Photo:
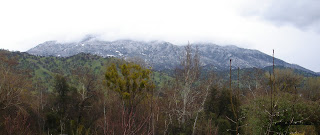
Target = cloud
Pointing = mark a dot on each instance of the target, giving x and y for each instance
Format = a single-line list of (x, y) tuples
[(303, 14), (32, 22)]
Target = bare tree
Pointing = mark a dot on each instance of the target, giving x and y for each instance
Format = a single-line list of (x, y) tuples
[(186, 76), (14, 88), (204, 93)]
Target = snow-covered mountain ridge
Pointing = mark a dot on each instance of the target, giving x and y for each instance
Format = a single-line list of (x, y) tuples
[(163, 55)]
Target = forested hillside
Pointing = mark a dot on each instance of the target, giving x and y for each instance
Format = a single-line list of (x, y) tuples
[(87, 94), (45, 68)]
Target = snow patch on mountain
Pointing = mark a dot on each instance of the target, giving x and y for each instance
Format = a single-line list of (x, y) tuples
[(163, 55)]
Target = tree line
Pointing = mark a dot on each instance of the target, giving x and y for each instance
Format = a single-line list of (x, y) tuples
[(124, 99)]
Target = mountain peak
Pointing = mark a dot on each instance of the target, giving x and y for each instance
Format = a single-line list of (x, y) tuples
[(161, 54), (88, 38)]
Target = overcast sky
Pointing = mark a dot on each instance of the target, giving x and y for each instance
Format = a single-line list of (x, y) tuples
[(291, 27)]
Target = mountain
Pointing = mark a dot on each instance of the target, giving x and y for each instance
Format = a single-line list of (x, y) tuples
[(45, 68), (163, 55)]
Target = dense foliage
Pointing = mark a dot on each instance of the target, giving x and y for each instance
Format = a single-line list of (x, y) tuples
[(87, 94)]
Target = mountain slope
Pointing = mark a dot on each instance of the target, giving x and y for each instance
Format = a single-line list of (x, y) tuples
[(163, 55), (45, 68)]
